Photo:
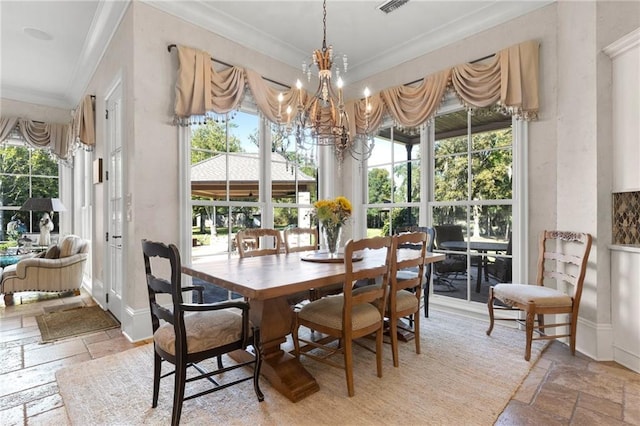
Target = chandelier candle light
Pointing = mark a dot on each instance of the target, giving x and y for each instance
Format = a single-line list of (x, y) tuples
[(322, 119), (332, 215)]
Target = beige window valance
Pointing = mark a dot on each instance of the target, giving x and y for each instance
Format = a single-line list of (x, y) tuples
[(509, 80), (60, 138)]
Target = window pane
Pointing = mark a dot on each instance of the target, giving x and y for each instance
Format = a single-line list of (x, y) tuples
[(379, 185), (42, 164), (14, 160), (451, 215), (44, 187), (407, 180), (403, 218), (491, 165), (376, 219), (14, 190), (451, 178)]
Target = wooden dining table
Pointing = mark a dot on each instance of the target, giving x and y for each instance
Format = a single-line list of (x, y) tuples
[(268, 283)]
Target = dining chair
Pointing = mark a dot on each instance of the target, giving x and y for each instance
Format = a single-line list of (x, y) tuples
[(300, 239), (254, 242), (407, 273), (562, 263), (349, 316), (306, 239), (194, 332), (501, 267), (453, 265)]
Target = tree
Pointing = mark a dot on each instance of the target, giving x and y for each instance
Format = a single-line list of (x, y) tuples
[(379, 186), (210, 138)]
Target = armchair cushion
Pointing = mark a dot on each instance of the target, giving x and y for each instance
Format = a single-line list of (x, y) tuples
[(71, 244)]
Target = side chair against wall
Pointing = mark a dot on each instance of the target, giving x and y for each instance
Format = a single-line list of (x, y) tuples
[(407, 273), (258, 242), (193, 333), (349, 316), (562, 260)]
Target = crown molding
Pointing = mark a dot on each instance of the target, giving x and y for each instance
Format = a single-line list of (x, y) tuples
[(623, 44)]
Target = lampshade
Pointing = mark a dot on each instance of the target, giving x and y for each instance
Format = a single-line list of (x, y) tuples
[(43, 205)]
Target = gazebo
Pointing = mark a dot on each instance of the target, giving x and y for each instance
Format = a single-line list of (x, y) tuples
[(209, 177)]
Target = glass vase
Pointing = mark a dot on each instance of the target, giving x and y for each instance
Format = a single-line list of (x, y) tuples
[(331, 235)]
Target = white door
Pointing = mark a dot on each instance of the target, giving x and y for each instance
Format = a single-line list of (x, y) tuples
[(114, 203)]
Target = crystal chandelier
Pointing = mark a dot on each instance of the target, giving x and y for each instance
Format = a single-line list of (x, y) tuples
[(322, 120)]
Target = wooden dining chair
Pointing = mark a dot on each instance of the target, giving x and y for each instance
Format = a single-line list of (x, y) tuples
[(562, 263), (406, 276), (194, 332), (258, 242), (306, 239), (349, 316), (300, 239)]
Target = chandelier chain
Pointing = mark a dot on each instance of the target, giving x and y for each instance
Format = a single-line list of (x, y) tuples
[(324, 25)]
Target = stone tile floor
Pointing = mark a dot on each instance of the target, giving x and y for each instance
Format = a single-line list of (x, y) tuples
[(560, 389)]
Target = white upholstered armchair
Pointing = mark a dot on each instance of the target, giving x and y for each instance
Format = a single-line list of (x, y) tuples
[(58, 269)]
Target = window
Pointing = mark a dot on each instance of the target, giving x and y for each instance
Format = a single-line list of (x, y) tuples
[(238, 181), (25, 172), (393, 195), (472, 194)]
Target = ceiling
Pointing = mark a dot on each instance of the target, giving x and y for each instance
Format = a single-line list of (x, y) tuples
[(56, 72)]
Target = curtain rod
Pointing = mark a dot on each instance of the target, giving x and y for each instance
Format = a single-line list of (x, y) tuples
[(171, 46), (472, 62)]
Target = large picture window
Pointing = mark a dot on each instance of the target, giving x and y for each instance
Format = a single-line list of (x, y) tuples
[(25, 172)]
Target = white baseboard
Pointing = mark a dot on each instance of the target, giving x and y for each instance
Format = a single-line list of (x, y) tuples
[(595, 340), (626, 358), (136, 324)]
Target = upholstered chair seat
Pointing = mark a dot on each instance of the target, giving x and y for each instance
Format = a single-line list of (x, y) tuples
[(205, 330), (328, 312), (511, 294)]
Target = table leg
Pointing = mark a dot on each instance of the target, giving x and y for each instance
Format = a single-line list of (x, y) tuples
[(283, 370)]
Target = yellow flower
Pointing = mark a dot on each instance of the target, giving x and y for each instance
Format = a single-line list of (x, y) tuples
[(333, 212)]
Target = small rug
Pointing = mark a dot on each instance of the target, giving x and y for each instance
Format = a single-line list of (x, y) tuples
[(462, 377), (74, 321)]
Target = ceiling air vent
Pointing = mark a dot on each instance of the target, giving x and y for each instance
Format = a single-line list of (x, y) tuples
[(391, 5)]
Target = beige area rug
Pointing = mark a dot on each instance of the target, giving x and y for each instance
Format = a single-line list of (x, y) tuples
[(462, 377), (73, 320)]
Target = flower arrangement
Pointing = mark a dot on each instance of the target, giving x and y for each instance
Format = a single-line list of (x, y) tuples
[(331, 215), (333, 212)]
